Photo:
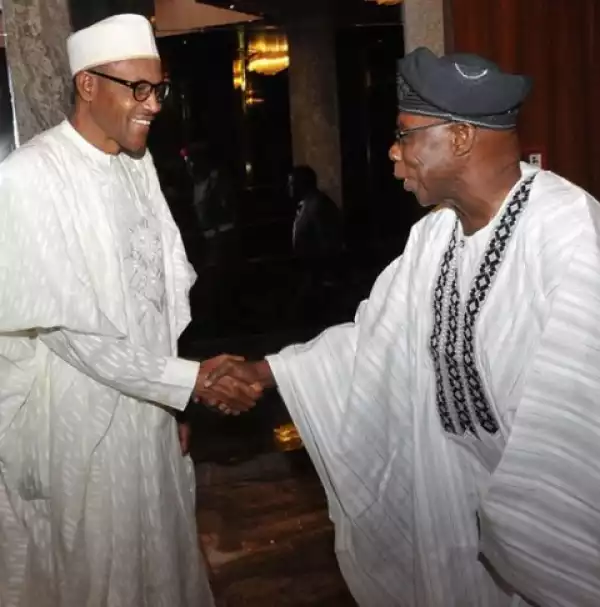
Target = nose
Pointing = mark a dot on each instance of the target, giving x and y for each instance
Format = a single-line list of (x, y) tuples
[(152, 105), (395, 153), (396, 156)]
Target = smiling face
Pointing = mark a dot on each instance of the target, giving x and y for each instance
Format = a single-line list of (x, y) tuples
[(120, 122), (425, 158)]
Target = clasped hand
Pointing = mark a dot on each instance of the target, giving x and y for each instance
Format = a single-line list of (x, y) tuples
[(230, 383)]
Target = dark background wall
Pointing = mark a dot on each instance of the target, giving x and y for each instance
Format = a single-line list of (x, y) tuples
[(252, 146)]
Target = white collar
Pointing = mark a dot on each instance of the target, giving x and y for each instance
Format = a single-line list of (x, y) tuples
[(84, 145)]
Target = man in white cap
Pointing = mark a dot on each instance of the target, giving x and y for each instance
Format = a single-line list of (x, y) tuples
[(96, 500)]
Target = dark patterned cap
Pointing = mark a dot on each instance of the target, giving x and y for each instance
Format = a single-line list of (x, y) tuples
[(460, 87)]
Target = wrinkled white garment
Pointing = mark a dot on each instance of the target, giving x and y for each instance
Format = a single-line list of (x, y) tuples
[(405, 494), (96, 501)]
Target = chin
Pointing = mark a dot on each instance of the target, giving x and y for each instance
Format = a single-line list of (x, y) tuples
[(423, 201), (420, 201), (135, 151), (426, 204)]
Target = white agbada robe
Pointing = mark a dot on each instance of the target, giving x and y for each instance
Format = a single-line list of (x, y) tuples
[(422, 474), (96, 501)]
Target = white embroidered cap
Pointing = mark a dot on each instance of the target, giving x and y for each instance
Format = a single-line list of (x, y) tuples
[(117, 38)]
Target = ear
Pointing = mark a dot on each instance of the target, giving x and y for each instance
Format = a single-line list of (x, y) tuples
[(86, 85), (463, 138)]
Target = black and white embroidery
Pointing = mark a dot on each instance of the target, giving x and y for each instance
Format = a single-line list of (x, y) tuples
[(436, 335), (461, 400)]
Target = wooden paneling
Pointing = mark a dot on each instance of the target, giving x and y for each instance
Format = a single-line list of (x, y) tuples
[(557, 43)]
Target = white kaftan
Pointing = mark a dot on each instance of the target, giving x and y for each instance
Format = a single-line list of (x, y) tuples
[(456, 422), (96, 501)]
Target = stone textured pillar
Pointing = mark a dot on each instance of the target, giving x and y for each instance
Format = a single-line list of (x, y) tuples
[(425, 25), (314, 102), (36, 33)]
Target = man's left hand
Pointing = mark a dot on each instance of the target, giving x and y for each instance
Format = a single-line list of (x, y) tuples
[(184, 430)]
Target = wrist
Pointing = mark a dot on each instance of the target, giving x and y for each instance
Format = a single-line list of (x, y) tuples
[(264, 374)]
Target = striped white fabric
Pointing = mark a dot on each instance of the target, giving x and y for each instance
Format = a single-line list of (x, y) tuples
[(428, 519), (96, 501)]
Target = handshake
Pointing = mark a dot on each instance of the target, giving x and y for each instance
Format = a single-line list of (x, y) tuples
[(231, 384)]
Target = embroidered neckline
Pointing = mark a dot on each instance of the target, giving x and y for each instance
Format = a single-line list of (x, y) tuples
[(462, 403)]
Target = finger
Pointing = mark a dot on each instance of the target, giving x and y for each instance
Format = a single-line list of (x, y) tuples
[(225, 410), (214, 396), (239, 392), (230, 392), (223, 393), (242, 371), (244, 390), (237, 402), (209, 365), (225, 358), (223, 370)]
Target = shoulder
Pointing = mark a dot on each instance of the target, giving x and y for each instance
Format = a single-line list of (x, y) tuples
[(36, 162), (560, 223), (431, 233), (554, 198), (559, 215), (325, 200), (427, 240)]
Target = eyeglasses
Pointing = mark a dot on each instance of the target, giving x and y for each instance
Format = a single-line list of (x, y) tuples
[(142, 89), (400, 135)]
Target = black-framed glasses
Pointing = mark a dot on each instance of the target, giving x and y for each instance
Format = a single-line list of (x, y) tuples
[(401, 134), (141, 89)]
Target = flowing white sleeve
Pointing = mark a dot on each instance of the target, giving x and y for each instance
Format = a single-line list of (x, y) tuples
[(44, 272), (314, 380), (48, 288), (133, 371), (540, 518)]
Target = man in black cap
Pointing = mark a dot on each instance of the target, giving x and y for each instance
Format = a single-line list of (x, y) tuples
[(455, 423)]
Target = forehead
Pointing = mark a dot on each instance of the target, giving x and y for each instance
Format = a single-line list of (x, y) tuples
[(409, 121), (136, 69)]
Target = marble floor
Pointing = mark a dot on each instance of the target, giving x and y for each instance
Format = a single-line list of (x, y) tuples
[(266, 535), (262, 514)]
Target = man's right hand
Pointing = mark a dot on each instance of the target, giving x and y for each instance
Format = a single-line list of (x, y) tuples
[(220, 384), (254, 376)]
